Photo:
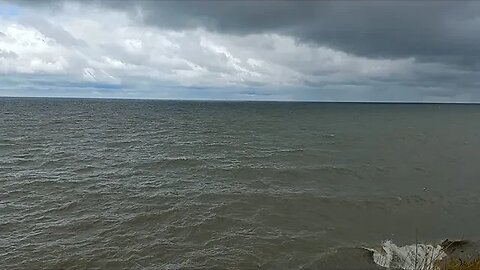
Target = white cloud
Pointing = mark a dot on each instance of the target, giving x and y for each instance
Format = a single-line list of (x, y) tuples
[(32, 51), (133, 45)]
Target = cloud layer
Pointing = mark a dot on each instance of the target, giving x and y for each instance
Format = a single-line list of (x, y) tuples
[(262, 50)]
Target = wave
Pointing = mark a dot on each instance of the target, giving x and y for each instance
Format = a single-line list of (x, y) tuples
[(164, 162), (409, 257)]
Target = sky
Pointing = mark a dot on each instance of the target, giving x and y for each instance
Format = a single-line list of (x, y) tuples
[(399, 51)]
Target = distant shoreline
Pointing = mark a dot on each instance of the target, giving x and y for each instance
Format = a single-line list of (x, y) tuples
[(247, 101)]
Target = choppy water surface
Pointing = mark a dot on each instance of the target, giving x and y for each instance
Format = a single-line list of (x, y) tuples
[(123, 184)]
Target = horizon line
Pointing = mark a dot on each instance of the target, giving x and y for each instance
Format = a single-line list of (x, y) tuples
[(249, 100)]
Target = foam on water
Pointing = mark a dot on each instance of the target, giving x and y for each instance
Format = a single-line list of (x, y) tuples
[(410, 257)]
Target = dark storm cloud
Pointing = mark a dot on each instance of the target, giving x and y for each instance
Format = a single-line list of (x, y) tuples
[(434, 31)]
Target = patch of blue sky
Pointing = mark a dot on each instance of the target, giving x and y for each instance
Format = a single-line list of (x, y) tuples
[(9, 10)]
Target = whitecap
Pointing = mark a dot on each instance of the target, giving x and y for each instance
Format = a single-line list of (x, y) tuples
[(409, 257)]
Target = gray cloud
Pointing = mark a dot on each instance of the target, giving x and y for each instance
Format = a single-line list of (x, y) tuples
[(433, 31), (440, 31), (7, 54), (53, 31)]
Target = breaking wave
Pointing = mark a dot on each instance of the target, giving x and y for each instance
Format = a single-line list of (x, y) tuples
[(409, 257)]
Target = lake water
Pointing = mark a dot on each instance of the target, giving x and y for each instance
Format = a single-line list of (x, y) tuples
[(132, 184)]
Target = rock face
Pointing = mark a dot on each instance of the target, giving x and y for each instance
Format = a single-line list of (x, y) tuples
[(460, 250), (458, 247)]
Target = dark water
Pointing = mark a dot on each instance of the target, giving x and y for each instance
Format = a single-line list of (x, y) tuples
[(112, 184)]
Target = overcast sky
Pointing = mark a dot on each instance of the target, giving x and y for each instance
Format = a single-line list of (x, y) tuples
[(242, 50)]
